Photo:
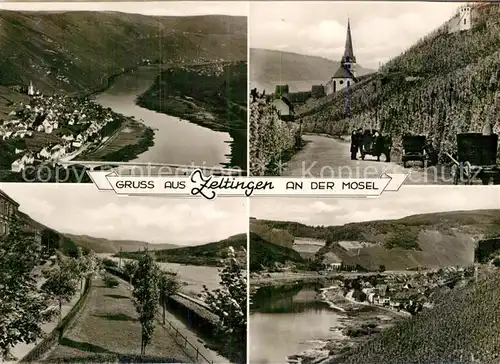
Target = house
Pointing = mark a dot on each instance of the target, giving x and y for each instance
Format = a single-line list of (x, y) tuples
[(17, 166), (8, 208), (345, 76), (332, 262), (31, 89), (284, 108)]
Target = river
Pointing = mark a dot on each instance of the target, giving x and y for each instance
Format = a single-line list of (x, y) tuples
[(288, 320), (176, 141), (193, 277)]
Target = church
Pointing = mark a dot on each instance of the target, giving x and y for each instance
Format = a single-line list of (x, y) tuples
[(345, 75)]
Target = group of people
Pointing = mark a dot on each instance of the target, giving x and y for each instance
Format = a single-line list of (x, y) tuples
[(358, 138)]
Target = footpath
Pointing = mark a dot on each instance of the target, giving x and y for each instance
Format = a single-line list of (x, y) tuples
[(22, 349)]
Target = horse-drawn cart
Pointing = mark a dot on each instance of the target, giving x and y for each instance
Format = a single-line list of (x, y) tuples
[(476, 158), (416, 148)]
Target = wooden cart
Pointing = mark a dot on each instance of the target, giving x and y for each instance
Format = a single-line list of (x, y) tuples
[(476, 159)]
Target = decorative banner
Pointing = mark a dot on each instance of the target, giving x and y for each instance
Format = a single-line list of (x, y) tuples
[(210, 187)]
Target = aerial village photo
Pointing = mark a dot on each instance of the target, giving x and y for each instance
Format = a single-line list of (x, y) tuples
[(89, 277), (139, 87), (356, 89), (411, 277)]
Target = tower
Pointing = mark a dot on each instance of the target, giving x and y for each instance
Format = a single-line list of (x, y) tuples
[(31, 89), (465, 21), (348, 59)]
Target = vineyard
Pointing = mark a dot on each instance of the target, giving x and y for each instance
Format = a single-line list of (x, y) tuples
[(462, 328), (443, 85), (272, 140)]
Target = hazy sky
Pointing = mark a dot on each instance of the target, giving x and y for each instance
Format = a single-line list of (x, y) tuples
[(380, 30), (409, 200), (80, 209), (158, 8)]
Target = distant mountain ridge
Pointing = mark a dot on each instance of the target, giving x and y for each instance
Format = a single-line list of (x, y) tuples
[(67, 52), (102, 245), (210, 254), (425, 240), (269, 68)]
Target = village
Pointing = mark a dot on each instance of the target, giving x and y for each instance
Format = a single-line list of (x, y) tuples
[(409, 293), (53, 128)]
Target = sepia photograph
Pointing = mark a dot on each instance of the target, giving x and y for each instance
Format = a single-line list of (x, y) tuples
[(357, 89), (410, 277), (110, 279), (140, 87)]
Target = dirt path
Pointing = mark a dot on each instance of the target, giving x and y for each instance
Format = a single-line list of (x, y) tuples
[(108, 325), (328, 157)]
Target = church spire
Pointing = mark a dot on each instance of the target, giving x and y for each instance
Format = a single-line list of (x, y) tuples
[(348, 56)]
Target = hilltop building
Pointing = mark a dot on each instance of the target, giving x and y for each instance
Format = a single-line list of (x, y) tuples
[(345, 75), (462, 20)]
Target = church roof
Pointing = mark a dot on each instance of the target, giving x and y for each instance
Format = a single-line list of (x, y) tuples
[(348, 51), (343, 72)]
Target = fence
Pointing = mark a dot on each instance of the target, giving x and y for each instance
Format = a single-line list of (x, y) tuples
[(185, 344)]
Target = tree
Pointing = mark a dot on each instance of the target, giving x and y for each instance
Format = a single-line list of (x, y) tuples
[(168, 286), (229, 303), (146, 296), (50, 241), (381, 268), (62, 281), (23, 306), (129, 268)]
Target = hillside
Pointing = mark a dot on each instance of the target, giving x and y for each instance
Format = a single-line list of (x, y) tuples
[(264, 254), (272, 235), (269, 68), (77, 51), (442, 85), (427, 240), (209, 254), (463, 328), (101, 245)]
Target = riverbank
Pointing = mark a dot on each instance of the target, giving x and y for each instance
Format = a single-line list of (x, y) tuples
[(203, 95), (357, 323)]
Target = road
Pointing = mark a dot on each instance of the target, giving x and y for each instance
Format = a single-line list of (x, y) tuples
[(326, 157)]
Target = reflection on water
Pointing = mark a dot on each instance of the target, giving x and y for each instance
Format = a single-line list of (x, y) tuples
[(288, 320), (176, 141)]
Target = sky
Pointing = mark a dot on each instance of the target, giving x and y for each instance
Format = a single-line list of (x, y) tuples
[(409, 200), (157, 8), (82, 209), (380, 30)]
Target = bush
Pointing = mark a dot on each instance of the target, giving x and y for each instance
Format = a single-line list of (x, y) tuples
[(110, 281), (109, 263)]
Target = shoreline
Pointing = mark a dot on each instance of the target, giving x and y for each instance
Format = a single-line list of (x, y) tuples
[(356, 326)]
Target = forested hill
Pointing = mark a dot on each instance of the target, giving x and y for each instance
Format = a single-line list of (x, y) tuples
[(426, 240), (77, 51), (443, 85)]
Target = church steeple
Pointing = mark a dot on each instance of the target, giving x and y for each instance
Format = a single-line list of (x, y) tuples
[(348, 59)]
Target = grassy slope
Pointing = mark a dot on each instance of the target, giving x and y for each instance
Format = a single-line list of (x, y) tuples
[(265, 254), (456, 91), (207, 254), (298, 70), (430, 240), (101, 245), (462, 329), (87, 47)]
